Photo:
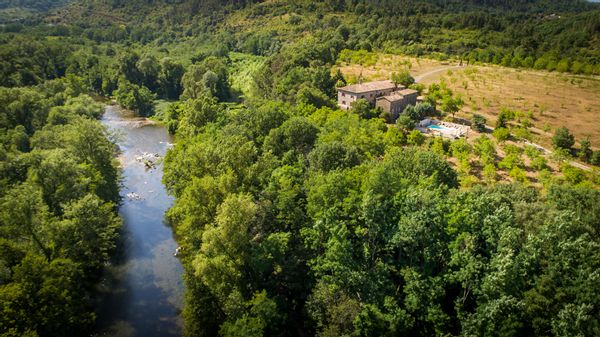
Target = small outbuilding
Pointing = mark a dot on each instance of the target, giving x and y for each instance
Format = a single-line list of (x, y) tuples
[(397, 101)]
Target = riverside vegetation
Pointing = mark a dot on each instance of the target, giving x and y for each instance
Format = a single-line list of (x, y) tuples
[(296, 218)]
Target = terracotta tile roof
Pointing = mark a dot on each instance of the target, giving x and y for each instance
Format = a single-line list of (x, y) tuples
[(393, 97), (398, 95), (369, 86)]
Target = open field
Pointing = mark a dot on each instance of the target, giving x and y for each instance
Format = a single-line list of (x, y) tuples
[(382, 65), (554, 99)]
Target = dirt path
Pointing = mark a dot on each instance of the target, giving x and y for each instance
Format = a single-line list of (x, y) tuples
[(419, 78), (580, 166), (571, 162)]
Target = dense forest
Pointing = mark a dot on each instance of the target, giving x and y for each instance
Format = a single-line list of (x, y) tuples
[(58, 221), (553, 35), (303, 222), (296, 218)]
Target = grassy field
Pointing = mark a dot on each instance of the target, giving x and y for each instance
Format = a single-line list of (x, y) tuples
[(379, 66), (551, 99)]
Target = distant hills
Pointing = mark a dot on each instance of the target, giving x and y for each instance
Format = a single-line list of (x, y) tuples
[(183, 11), (17, 10), (508, 32), (33, 5)]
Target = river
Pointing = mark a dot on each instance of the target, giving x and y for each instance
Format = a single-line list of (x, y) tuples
[(141, 293)]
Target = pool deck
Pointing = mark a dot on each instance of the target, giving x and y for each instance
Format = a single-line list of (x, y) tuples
[(443, 129)]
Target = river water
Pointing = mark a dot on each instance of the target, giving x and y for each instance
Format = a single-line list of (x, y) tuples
[(141, 294)]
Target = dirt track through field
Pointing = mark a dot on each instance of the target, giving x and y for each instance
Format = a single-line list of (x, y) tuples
[(419, 78)]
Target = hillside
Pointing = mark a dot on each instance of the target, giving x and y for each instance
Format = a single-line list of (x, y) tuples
[(18, 10), (512, 33)]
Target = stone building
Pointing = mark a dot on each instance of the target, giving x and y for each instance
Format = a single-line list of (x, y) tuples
[(369, 91), (395, 102), (391, 98)]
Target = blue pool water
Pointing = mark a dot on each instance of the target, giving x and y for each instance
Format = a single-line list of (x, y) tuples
[(437, 127)]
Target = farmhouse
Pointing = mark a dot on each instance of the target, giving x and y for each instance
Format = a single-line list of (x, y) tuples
[(395, 103), (368, 91), (391, 98)]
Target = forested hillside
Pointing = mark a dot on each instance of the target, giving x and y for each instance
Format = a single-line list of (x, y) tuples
[(58, 221), (296, 218), (42, 5), (19, 10), (551, 35)]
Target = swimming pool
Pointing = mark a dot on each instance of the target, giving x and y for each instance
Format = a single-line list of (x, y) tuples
[(437, 127)]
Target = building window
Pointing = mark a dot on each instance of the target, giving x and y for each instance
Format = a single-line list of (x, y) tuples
[(362, 96), (343, 94), (343, 102)]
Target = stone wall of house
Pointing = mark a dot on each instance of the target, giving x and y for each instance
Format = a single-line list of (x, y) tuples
[(346, 98), (384, 104), (396, 107)]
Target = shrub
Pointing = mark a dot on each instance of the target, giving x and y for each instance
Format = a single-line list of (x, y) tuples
[(294, 20), (563, 66), (572, 174), (532, 152), (522, 133), (489, 173), (460, 148), (418, 87), (539, 163), (394, 137), (485, 148), (363, 109), (512, 158), (402, 78), (518, 174), (478, 123), (468, 180), (561, 155), (585, 151), (501, 134), (540, 63), (405, 123), (415, 137), (504, 116), (526, 122), (547, 127), (563, 139), (596, 158), (439, 146), (512, 149)]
